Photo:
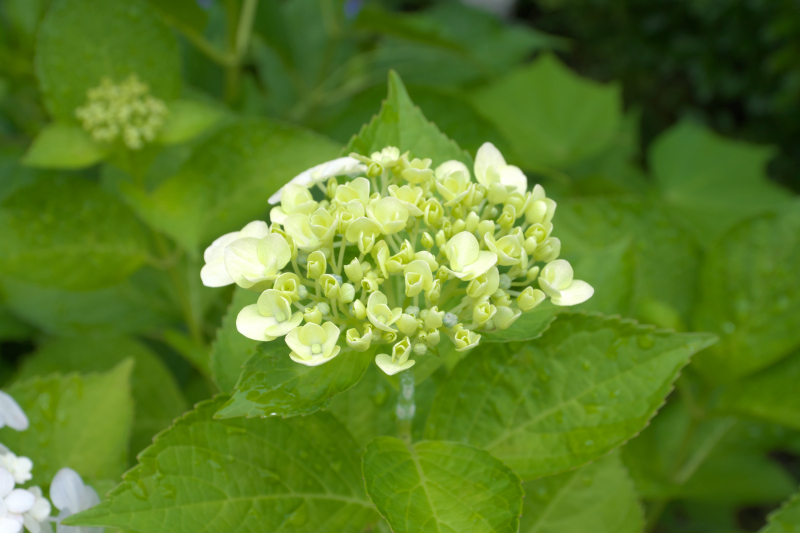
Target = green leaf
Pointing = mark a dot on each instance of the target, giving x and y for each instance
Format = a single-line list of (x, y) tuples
[(82, 422), (750, 296), (228, 179), (158, 400), (82, 41), (182, 13), (231, 349), (713, 181), (273, 384), (400, 123), (186, 120), (564, 118), (764, 395), (66, 232), (528, 326), (298, 475), (586, 387), (711, 460), (134, 305), (63, 146), (12, 328), (636, 255), (786, 519), (598, 497), (441, 486)]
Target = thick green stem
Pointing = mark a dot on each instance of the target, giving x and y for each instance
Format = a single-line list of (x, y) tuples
[(405, 406)]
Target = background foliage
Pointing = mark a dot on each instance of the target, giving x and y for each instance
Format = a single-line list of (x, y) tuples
[(108, 335)]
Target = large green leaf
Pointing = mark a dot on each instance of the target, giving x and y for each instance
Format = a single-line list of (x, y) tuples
[(228, 179), (786, 519), (750, 296), (641, 261), (400, 123), (598, 497), (587, 386), (157, 398), (765, 395), (82, 41), (551, 116), (273, 384), (66, 232), (81, 422), (134, 305), (441, 486), (713, 181), (63, 146), (231, 349), (715, 459), (256, 476)]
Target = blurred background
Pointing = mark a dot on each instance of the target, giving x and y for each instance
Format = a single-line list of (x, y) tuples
[(668, 131)]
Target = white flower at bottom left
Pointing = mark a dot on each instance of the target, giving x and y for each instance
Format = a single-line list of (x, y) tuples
[(14, 503)]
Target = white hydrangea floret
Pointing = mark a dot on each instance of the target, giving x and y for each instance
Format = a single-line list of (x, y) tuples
[(557, 283), (70, 495), (14, 503), (337, 167), (11, 414), (213, 273)]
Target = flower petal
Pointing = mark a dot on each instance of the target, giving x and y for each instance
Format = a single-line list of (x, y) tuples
[(514, 177), (253, 325), (488, 156), (558, 273), (321, 172), (6, 482), (19, 501), (577, 293), (215, 275), (483, 263), (11, 414), (385, 363), (66, 490)]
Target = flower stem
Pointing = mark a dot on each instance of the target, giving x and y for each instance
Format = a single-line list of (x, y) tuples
[(405, 406)]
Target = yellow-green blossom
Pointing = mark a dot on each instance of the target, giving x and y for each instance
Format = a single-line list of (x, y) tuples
[(125, 111), (398, 256)]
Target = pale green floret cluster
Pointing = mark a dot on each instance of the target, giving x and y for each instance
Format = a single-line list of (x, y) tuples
[(125, 111), (399, 254)]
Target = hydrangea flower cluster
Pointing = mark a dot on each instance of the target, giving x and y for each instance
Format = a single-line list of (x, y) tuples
[(27, 507), (126, 110), (398, 254)]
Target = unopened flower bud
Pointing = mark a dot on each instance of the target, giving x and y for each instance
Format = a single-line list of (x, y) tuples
[(359, 310), (427, 240), (316, 265), (449, 320), (432, 338), (529, 298), (434, 292), (329, 285), (472, 222), (312, 315), (484, 227), (504, 282), (407, 324), (465, 339), (420, 348), (532, 274), (347, 293), (441, 239), (483, 312), (359, 343), (549, 250)]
